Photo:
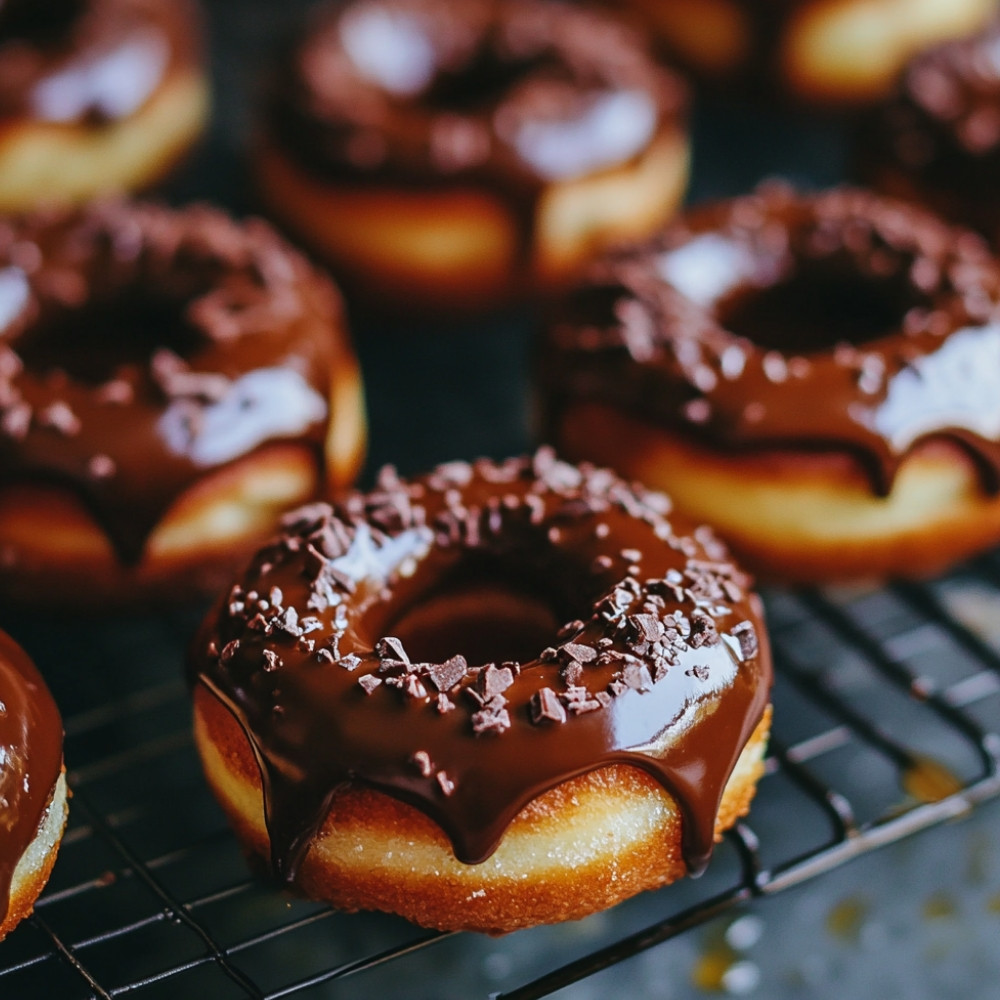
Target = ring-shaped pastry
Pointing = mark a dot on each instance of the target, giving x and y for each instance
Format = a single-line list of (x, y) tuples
[(32, 784), (95, 96), (494, 696), (813, 375), (935, 140), (819, 52), (453, 155), (170, 382)]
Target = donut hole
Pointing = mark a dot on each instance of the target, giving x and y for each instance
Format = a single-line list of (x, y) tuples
[(95, 343), (481, 83), (816, 308), (486, 621)]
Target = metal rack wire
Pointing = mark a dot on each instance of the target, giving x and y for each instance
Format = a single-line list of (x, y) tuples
[(887, 721)]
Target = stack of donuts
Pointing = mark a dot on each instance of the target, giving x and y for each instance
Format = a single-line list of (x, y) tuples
[(503, 691)]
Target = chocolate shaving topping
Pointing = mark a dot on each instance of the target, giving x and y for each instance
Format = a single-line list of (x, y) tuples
[(493, 681), (636, 676), (578, 700), (447, 675), (577, 651), (703, 631), (16, 421), (746, 636), (546, 707), (59, 417), (423, 762), (571, 673), (369, 682), (492, 718), (389, 647)]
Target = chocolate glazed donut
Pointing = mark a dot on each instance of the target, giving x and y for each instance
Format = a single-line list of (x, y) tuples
[(457, 153), (95, 95), (815, 375), (170, 381), (484, 674), (32, 786), (826, 52), (936, 139)]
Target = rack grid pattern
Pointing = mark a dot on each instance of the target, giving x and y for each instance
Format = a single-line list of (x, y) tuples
[(887, 722)]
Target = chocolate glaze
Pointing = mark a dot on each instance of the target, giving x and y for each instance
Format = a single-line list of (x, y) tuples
[(87, 61), (937, 138), (31, 739), (835, 322), (143, 347), (503, 95), (662, 662)]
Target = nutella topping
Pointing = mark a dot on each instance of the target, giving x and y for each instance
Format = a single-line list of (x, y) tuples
[(142, 346), (837, 322), (86, 61), (413, 599), (509, 95), (30, 758)]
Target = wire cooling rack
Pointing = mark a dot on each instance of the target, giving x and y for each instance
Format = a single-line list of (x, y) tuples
[(887, 713)]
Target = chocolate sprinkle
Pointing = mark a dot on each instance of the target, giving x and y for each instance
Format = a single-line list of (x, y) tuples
[(746, 636), (546, 707)]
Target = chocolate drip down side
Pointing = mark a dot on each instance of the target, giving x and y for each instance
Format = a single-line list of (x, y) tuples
[(837, 323), (660, 663), (31, 754)]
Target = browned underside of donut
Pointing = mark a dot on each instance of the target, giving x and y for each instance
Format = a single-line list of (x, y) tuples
[(587, 844)]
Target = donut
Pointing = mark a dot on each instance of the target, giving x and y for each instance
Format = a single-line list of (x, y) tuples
[(497, 695), (813, 375), (32, 784), (453, 156), (95, 96), (812, 52), (936, 139), (170, 382)]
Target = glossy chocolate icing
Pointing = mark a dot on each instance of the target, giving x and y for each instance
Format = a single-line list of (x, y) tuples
[(144, 347), (31, 738), (503, 95), (835, 322), (937, 137), (662, 662), (87, 61)]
